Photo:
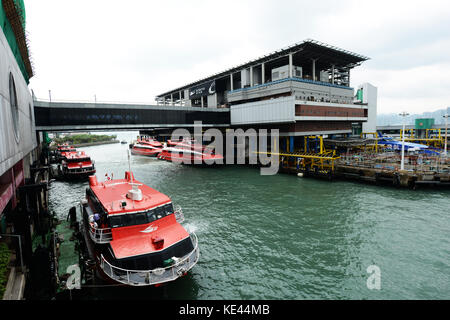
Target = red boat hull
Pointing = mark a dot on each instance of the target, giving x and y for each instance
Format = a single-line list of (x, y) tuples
[(189, 158), (146, 152)]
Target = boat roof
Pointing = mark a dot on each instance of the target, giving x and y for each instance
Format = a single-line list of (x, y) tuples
[(76, 155), (112, 193), (136, 240)]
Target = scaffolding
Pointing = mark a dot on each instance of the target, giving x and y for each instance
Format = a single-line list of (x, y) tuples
[(433, 137), (313, 157)]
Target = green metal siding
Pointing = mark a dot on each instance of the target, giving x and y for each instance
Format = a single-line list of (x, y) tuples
[(10, 37), (424, 123)]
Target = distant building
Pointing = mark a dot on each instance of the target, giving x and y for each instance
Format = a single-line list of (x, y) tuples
[(302, 90), (18, 140)]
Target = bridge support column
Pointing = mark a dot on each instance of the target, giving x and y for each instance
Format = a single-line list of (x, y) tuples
[(263, 73)]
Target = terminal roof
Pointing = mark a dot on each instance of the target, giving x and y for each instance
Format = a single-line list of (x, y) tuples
[(325, 54)]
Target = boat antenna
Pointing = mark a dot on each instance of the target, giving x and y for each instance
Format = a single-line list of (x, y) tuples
[(129, 165)]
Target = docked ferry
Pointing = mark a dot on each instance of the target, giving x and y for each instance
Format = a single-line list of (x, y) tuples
[(135, 234), (62, 150), (76, 165), (147, 147), (189, 152)]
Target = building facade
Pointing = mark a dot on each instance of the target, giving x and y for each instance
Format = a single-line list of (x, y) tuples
[(18, 140), (301, 90)]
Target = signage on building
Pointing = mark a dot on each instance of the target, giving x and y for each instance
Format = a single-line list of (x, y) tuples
[(202, 90)]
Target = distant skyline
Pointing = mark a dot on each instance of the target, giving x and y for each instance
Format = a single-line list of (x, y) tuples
[(386, 119), (130, 52)]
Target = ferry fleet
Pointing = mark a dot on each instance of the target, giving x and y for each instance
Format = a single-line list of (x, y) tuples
[(132, 232)]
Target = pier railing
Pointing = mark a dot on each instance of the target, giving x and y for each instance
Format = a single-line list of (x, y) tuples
[(100, 235), (151, 277)]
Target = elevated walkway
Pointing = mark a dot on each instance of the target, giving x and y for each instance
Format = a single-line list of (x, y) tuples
[(70, 116)]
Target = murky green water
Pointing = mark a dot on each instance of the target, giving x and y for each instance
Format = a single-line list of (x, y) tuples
[(284, 237)]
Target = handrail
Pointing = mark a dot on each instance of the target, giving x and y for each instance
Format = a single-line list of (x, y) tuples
[(100, 235), (154, 276)]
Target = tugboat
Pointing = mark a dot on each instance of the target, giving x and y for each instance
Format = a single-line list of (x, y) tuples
[(76, 165), (189, 152), (134, 233), (147, 147)]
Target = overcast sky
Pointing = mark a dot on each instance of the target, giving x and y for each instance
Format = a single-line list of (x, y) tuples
[(130, 51)]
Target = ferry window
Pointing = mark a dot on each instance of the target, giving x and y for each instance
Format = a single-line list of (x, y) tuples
[(128, 219), (115, 221), (159, 212), (168, 208), (140, 218), (151, 215)]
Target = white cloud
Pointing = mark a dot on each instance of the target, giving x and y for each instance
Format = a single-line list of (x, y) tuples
[(132, 51)]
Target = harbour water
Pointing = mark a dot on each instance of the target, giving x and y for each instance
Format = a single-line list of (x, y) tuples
[(284, 237)]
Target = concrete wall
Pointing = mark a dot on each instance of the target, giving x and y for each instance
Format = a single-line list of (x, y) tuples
[(12, 148), (302, 91), (212, 101), (370, 96), (281, 110)]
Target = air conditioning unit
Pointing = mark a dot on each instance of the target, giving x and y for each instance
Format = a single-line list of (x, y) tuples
[(283, 72), (324, 76), (297, 72)]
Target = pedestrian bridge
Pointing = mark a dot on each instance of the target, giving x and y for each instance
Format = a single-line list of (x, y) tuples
[(70, 116)]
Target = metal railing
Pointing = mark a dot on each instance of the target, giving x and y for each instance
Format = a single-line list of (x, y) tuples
[(151, 277), (100, 235)]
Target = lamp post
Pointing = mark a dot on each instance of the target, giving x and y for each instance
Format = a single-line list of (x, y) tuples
[(404, 115), (446, 126)]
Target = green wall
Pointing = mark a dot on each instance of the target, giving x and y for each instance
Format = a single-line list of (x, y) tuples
[(10, 37)]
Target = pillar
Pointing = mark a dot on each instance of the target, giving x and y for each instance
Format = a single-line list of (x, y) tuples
[(332, 74), (290, 65), (314, 69), (251, 76), (263, 73), (231, 82)]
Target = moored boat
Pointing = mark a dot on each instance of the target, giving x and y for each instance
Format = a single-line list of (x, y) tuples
[(76, 165), (62, 150), (189, 152), (147, 147), (135, 234)]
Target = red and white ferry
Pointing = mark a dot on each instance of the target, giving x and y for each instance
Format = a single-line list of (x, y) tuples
[(147, 147), (76, 165), (135, 234), (62, 150), (189, 152)]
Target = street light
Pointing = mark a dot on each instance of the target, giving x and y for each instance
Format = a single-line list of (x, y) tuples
[(404, 115), (446, 125)]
